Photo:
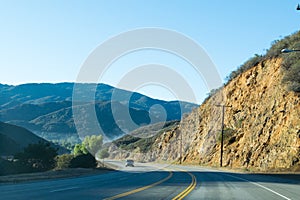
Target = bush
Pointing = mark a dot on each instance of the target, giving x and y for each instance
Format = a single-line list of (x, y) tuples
[(227, 134), (63, 161), (291, 69), (36, 157), (252, 62), (290, 64), (289, 42), (83, 161), (291, 77), (79, 149), (126, 140), (6, 167), (80, 161)]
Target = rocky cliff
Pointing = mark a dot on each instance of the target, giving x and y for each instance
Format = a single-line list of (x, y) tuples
[(261, 126)]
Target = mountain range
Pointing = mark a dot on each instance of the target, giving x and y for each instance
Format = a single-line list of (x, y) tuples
[(47, 109)]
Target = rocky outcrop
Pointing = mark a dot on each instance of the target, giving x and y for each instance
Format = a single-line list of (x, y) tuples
[(261, 126)]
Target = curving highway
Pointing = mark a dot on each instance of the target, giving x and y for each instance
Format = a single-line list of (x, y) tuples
[(157, 181)]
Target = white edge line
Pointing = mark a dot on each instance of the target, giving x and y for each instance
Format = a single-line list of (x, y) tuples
[(59, 190), (264, 187)]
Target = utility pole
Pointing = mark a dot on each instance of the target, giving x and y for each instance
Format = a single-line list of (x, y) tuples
[(222, 133), (180, 158)]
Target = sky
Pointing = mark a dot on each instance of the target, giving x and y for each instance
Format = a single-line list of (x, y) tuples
[(49, 41)]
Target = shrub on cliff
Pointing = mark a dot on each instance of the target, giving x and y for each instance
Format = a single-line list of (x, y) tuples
[(244, 67), (290, 61), (292, 77)]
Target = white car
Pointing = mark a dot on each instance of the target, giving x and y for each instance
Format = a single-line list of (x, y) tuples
[(129, 163)]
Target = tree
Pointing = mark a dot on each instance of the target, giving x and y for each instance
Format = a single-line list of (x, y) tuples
[(80, 149), (103, 154), (93, 143), (6, 167), (36, 157), (63, 161), (83, 161)]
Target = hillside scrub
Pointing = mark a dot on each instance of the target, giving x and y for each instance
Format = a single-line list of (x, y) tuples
[(83, 161), (144, 137), (66, 161), (290, 61), (42, 157), (36, 157), (82, 156), (63, 161), (129, 143)]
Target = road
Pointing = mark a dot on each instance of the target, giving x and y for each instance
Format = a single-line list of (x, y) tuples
[(155, 181)]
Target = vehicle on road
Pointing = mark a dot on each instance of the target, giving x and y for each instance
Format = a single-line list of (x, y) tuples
[(129, 163)]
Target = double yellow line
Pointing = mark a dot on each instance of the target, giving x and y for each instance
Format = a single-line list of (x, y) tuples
[(141, 188), (185, 192), (180, 196)]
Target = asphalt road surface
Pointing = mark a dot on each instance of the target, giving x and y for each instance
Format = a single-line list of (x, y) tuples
[(155, 181)]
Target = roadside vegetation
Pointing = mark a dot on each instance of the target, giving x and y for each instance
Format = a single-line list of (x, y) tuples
[(65, 140), (144, 137), (34, 158), (42, 157), (83, 155), (228, 135), (290, 63)]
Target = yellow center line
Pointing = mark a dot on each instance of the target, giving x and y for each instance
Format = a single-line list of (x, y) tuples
[(141, 188), (185, 192)]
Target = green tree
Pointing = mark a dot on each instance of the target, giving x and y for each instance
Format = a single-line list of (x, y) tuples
[(63, 161), (80, 149), (6, 167), (36, 157), (93, 143), (83, 161)]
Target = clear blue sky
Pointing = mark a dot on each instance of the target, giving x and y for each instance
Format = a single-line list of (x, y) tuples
[(48, 41)]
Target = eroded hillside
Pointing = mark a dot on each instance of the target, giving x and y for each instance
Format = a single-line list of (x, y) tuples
[(262, 125)]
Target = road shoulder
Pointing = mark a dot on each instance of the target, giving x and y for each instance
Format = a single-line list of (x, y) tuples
[(53, 174)]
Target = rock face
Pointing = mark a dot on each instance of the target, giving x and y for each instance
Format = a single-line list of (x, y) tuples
[(261, 126)]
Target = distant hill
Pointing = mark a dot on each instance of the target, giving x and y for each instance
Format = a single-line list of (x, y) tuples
[(141, 139), (27, 112), (62, 121), (46, 109), (13, 139)]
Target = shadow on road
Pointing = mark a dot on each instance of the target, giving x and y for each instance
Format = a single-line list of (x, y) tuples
[(215, 176)]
